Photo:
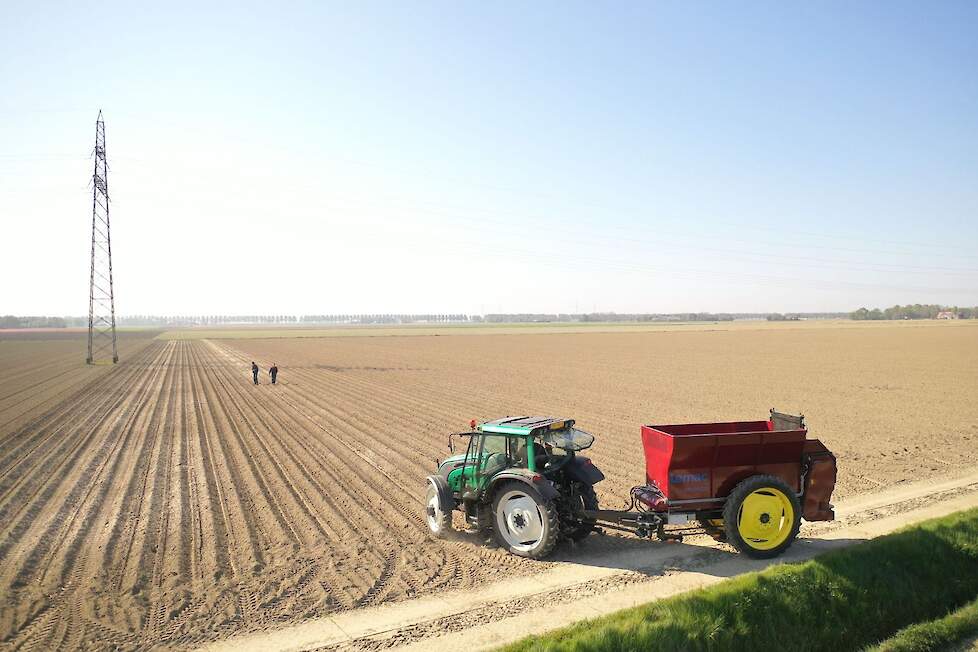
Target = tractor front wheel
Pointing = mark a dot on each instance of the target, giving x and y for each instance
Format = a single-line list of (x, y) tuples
[(762, 516), (438, 516), (525, 523)]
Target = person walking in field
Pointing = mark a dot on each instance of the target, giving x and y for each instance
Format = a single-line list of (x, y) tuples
[(274, 372), (254, 372)]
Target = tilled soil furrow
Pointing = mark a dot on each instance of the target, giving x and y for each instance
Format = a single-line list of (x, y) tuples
[(408, 512), (140, 487), (395, 455), (155, 554), (225, 488), (425, 404), (57, 389), (256, 426), (251, 462), (210, 501), (42, 625), (274, 439), (294, 441), (395, 452), (617, 461), (38, 373), (184, 528), (325, 461), (37, 437), (347, 429), (69, 545), (370, 518), (352, 433), (344, 430), (29, 388), (73, 565), (37, 492)]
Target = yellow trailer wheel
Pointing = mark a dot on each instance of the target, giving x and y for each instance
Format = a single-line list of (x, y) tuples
[(762, 516)]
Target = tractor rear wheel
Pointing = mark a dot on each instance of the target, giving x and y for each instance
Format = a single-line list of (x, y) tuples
[(586, 526), (438, 516), (525, 523), (762, 516)]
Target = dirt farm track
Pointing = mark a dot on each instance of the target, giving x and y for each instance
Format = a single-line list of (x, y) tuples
[(169, 502)]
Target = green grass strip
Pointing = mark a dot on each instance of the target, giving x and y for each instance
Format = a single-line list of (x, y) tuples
[(842, 600), (937, 634)]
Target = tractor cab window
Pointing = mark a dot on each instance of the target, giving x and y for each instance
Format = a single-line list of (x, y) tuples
[(568, 439), (496, 454), (521, 457)]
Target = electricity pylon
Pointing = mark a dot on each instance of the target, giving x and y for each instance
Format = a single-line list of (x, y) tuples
[(101, 300)]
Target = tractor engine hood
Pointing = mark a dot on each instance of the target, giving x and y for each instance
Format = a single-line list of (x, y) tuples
[(449, 464)]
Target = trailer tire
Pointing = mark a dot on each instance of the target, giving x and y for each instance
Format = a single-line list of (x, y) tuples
[(590, 500), (762, 516), (524, 522)]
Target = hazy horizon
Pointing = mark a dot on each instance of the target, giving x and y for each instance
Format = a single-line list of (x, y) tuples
[(469, 158)]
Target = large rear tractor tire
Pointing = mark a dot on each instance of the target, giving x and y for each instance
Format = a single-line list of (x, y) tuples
[(524, 522), (438, 516), (590, 501), (762, 516)]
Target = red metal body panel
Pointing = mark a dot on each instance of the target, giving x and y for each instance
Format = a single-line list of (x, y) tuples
[(819, 482), (706, 460)]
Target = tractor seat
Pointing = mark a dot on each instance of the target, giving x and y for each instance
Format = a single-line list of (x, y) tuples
[(523, 460)]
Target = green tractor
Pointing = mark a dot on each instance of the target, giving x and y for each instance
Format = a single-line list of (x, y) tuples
[(523, 478)]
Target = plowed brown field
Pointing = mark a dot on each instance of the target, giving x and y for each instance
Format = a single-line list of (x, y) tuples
[(168, 501)]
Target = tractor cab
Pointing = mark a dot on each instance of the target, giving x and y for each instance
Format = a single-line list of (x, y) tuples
[(537, 445), (516, 469)]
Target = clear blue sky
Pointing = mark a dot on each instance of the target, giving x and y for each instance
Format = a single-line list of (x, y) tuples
[(482, 157)]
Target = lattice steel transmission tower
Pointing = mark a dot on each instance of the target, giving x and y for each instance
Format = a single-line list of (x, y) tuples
[(101, 300)]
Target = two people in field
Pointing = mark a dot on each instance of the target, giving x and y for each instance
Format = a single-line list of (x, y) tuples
[(272, 371)]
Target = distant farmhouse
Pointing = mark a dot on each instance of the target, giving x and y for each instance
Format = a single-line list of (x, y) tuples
[(947, 314)]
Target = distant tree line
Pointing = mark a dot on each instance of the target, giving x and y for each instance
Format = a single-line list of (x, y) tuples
[(11, 321), (383, 319), (203, 320), (509, 318), (915, 311)]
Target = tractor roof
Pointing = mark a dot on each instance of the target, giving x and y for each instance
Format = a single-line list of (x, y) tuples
[(524, 425)]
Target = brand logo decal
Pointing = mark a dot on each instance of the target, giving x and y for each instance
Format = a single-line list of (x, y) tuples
[(687, 478)]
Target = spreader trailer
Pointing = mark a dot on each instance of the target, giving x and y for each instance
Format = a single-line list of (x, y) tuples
[(748, 482)]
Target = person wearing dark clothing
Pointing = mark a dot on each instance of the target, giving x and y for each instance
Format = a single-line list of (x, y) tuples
[(274, 372), (254, 372)]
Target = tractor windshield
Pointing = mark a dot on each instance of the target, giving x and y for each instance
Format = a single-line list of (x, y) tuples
[(570, 439)]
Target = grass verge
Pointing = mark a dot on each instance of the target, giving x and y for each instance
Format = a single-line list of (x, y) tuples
[(842, 600), (939, 634)]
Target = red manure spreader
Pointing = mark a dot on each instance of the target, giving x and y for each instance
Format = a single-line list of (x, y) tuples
[(747, 482), (750, 482)]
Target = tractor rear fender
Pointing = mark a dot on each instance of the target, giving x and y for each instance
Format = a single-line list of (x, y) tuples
[(583, 470), (444, 492), (542, 485)]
